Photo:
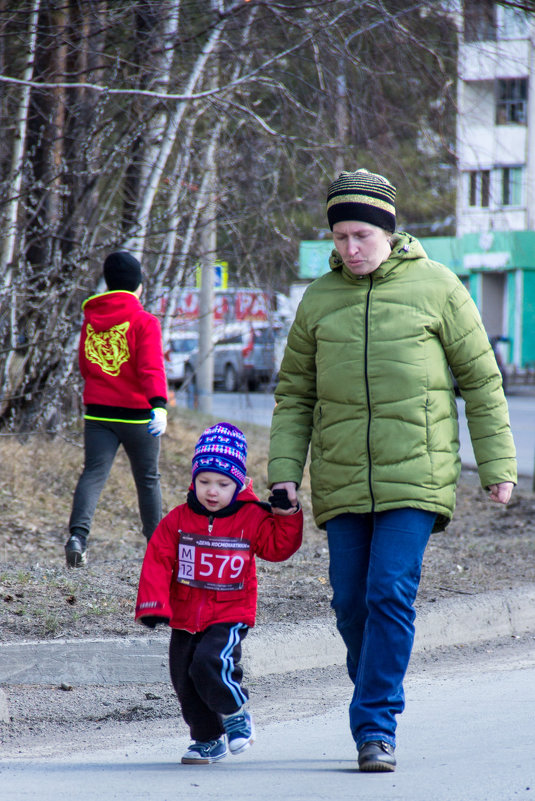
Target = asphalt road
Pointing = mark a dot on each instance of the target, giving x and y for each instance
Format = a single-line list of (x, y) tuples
[(522, 414), (467, 734), (257, 408)]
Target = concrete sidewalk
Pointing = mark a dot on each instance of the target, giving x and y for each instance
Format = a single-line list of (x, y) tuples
[(273, 648)]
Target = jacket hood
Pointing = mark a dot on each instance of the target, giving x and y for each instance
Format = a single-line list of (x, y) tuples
[(404, 248), (111, 308)]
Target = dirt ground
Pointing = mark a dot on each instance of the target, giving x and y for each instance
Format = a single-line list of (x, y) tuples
[(486, 547), (50, 721)]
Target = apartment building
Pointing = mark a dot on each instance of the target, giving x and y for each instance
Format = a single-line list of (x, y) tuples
[(493, 251)]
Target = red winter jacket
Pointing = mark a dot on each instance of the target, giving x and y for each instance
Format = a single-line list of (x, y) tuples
[(121, 358), (199, 569)]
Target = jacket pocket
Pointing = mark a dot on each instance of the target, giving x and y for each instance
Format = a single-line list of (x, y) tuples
[(180, 592), (428, 437), (223, 596), (317, 431)]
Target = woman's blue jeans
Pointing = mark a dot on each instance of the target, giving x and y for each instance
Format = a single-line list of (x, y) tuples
[(375, 567)]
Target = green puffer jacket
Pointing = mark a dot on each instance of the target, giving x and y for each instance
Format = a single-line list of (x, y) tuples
[(365, 381)]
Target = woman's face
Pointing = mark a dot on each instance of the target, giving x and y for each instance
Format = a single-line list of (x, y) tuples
[(362, 246)]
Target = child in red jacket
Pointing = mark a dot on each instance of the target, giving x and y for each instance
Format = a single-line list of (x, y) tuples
[(199, 576)]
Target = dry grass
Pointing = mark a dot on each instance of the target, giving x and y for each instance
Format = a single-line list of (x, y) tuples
[(485, 547), (38, 476), (42, 598)]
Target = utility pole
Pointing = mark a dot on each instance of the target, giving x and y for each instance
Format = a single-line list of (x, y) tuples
[(205, 371), (342, 118)]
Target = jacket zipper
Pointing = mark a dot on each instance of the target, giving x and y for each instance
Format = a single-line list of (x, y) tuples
[(367, 322), (199, 607)]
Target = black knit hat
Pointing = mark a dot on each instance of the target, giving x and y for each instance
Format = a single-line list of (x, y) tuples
[(122, 271), (363, 196)]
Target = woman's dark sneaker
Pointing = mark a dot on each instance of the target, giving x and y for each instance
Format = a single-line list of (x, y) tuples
[(200, 753), (75, 552), (376, 756)]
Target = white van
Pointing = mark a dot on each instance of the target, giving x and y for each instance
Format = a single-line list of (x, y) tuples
[(179, 348)]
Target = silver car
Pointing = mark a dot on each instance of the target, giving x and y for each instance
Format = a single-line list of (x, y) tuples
[(244, 357)]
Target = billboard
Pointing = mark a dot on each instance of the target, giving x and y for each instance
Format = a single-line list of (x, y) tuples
[(230, 305)]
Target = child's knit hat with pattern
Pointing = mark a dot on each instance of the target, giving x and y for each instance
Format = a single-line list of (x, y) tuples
[(221, 449)]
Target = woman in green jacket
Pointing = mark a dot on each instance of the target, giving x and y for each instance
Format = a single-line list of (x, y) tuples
[(366, 382)]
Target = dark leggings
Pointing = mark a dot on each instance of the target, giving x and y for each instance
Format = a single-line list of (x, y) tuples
[(206, 674), (101, 441)]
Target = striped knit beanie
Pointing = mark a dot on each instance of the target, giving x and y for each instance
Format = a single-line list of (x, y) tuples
[(363, 196), (221, 449)]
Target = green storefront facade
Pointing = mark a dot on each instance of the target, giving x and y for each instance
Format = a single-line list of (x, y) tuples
[(498, 268)]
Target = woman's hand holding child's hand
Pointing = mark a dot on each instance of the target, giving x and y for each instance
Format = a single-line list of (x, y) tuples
[(281, 501)]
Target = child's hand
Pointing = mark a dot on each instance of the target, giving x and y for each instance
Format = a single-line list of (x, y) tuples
[(151, 621), (281, 503)]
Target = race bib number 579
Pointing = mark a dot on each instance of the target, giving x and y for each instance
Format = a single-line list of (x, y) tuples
[(213, 563)]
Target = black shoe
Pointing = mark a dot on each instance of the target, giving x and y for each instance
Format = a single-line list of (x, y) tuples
[(376, 756), (75, 552)]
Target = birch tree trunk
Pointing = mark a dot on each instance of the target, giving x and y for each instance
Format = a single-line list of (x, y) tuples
[(8, 244), (155, 31), (161, 83), (173, 280), (269, 121), (136, 242)]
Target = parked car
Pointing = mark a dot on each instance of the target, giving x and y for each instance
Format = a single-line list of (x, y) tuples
[(494, 341), (179, 348), (244, 357)]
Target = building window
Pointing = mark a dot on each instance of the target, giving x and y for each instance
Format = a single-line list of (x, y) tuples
[(513, 23), (511, 101), (479, 20), (479, 188), (512, 186)]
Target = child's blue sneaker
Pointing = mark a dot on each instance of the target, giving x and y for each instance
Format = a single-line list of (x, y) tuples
[(240, 730), (200, 753)]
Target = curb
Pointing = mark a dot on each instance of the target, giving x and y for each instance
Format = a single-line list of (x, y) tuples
[(269, 649), (4, 709)]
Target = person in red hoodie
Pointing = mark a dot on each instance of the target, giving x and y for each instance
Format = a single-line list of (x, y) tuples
[(199, 576), (125, 394)]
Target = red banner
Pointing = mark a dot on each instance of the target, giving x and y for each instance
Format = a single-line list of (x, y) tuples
[(229, 306), (251, 305)]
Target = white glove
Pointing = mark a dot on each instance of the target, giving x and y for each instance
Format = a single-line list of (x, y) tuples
[(158, 422)]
